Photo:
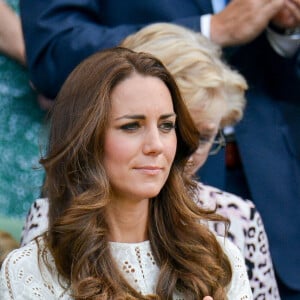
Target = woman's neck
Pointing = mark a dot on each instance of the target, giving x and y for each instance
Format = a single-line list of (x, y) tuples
[(128, 222)]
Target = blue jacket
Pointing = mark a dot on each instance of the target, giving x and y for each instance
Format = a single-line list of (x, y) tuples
[(61, 33)]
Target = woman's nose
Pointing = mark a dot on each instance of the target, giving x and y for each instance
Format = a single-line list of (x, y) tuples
[(153, 143)]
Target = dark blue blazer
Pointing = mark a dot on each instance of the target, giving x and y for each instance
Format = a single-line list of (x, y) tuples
[(61, 33), (268, 138)]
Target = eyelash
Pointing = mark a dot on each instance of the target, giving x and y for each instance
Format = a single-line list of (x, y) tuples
[(204, 139), (130, 126), (164, 127), (167, 126)]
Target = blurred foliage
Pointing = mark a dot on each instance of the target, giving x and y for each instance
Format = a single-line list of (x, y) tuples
[(21, 123)]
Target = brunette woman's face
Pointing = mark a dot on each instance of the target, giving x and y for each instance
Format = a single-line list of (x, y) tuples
[(140, 141)]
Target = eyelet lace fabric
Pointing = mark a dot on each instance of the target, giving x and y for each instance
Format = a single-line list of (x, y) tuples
[(246, 231), (22, 278)]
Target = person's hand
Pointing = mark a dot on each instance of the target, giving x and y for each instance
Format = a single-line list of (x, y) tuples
[(44, 103), (289, 15), (241, 21), (208, 298), (11, 36)]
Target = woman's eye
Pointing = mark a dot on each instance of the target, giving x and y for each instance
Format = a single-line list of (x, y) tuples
[(167, 126), (130, 126), (204, 139)]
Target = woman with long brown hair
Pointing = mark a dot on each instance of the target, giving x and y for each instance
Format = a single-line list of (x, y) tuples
[(122, 220)]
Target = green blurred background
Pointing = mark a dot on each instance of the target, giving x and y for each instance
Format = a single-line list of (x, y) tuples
[(21, 123)]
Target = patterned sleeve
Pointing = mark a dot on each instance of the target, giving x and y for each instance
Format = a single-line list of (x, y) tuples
[(247, 232), (36, 221), (258, 258)]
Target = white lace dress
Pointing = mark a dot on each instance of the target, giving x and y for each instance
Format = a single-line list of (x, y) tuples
[(22, 278), (246, 231)]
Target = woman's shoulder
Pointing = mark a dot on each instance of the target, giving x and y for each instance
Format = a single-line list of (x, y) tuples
[(25, 275), (240, 286), (232, 251), (19, 271), (24, 256), (212, 196)]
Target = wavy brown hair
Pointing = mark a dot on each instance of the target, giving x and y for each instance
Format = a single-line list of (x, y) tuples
[(188, 254)]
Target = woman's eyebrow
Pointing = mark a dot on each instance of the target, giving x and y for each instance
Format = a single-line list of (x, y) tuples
[(143, 117), (166, 116), (132, 117), (209, 131)]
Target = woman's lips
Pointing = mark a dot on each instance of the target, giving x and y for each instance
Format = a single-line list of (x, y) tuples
[(149, 170)]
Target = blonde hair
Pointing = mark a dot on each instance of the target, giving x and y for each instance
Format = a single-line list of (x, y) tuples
[(196, 64)]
